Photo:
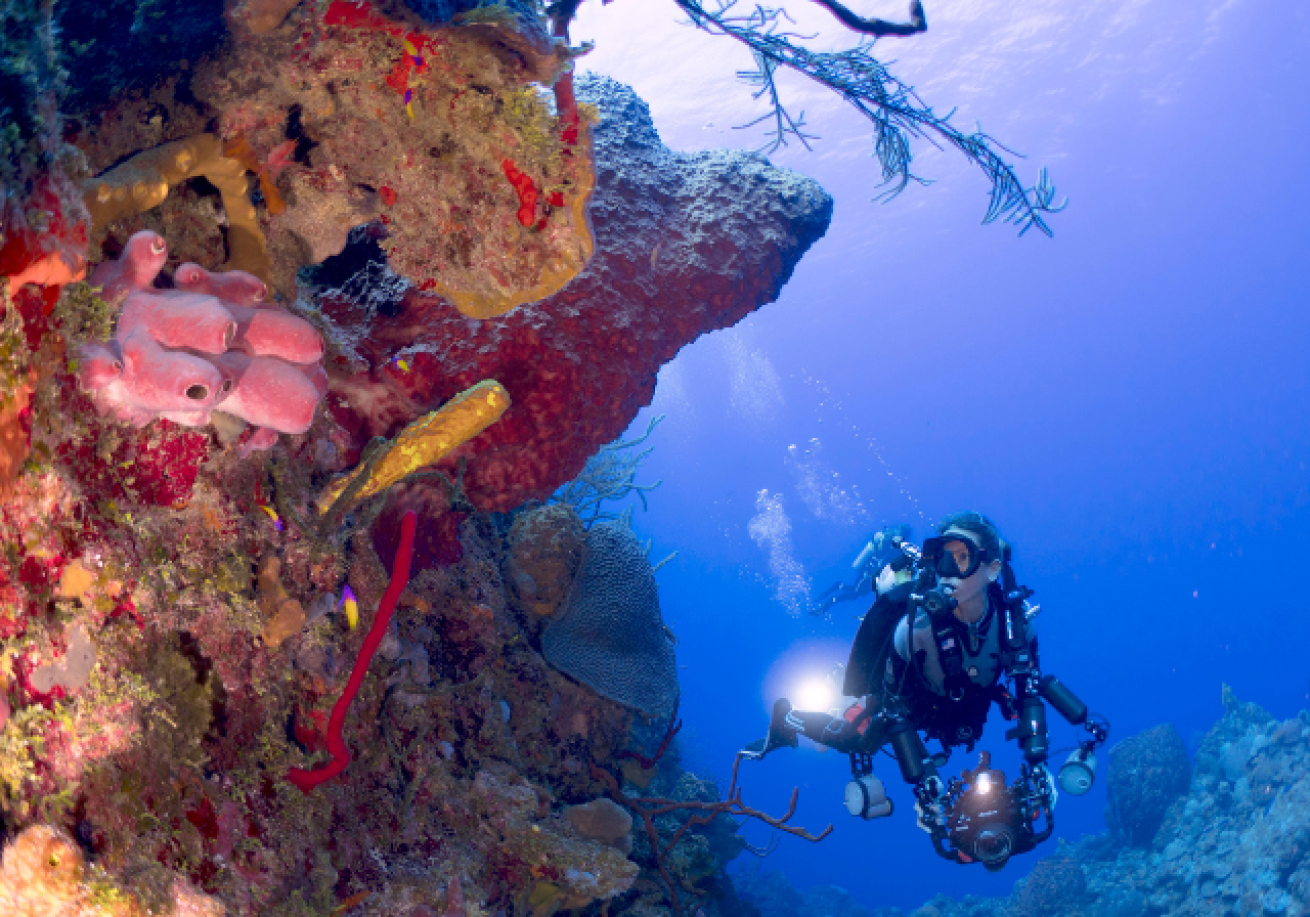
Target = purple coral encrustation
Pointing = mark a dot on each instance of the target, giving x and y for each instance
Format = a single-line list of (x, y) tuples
[(212, 343)]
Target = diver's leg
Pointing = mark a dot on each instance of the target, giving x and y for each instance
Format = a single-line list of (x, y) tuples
[(782, 732), (826, 729), (823, 606), (860, 734), (837, 592), (879, 27)]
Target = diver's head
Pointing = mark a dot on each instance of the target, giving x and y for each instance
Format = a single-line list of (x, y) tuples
[(884, 538), (967, 555)]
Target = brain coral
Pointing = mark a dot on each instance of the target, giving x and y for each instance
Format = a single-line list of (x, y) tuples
[(1147, 773), (610, 635)]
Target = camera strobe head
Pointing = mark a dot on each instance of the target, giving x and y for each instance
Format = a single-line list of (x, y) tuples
[(1078, 772)]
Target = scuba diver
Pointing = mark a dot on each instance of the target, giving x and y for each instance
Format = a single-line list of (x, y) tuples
[(879, 28), (932, 655), (882, 551)]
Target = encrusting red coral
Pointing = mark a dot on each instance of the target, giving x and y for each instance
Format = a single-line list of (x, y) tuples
[(527, 192), (180, 354)]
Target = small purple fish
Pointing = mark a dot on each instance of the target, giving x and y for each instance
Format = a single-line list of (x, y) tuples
[(412, 52), (352, 607), (277, 523)]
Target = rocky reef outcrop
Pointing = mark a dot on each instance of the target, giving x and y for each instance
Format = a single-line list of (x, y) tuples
[(1147, 772), (685, 244), (259, 657)]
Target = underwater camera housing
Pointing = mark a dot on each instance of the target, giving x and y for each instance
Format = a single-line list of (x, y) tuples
[(988, 822)]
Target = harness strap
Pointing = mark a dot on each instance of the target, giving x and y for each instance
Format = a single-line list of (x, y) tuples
[(1012, 599), (950, 654)]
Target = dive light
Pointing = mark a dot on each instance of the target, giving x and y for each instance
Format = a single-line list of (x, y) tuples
[(1078, 771), (866, 798)]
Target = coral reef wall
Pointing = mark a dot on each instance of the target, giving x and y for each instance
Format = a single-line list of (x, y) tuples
[(273, 585)]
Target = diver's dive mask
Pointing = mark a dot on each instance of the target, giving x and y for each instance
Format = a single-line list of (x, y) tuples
[(952, 556)]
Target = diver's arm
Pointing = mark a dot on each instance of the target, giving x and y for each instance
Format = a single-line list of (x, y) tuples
[(879, 27), (1025, 673), (1031, 729)]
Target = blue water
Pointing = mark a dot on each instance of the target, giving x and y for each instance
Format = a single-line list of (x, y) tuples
[(1129, 401)]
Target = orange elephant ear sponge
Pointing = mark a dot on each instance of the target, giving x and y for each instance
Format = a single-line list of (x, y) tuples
[(43, 871), (610, 635)]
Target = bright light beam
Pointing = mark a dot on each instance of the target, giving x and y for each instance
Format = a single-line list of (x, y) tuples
[(815, 694)]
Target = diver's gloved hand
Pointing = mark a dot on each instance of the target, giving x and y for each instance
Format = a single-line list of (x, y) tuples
[(1046, 785), (930, 804), (782, 732)]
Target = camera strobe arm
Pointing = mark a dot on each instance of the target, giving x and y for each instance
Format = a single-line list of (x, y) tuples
[(1078, 772), (1030, 730), (911, 754)]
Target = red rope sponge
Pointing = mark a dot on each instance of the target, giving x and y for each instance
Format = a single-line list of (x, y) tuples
[(306, 780)]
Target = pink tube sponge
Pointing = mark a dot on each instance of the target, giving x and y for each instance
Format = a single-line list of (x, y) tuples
[(263, 331), (179, 320), (135, 269), (180, 354), (234, 287), (167, 381), (268, 392)]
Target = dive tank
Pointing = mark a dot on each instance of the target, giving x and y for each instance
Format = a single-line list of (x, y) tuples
[(1078, 772), (864, 557), (867, 798)]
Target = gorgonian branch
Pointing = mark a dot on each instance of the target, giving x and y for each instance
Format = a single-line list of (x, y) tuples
[(895, 110)]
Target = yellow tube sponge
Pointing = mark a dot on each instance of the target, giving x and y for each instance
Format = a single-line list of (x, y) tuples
[(143, 182), (427, 440)]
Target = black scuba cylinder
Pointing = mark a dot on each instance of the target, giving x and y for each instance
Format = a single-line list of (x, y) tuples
[(1063, 700)]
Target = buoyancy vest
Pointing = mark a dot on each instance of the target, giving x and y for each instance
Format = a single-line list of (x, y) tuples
[(954, 708)]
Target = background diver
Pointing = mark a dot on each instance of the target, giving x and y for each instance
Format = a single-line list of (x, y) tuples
[(932, 655), (881, 551)]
